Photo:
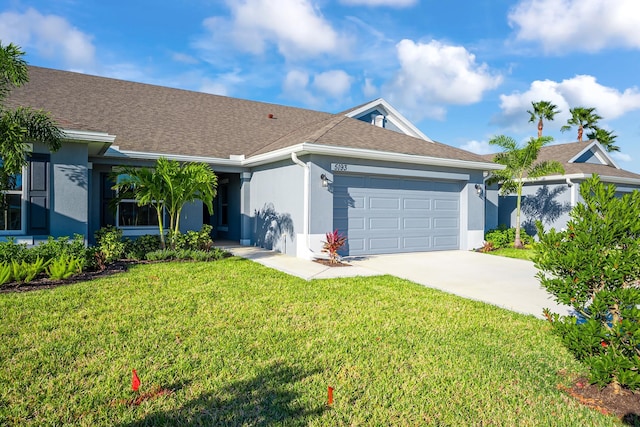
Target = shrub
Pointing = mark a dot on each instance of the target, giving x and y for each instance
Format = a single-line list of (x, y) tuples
[(110, 244), (138, 248), (12, 251), (503, 237), (194, 240), (335, 241), (593, 267), (56, 248), (64, 267)]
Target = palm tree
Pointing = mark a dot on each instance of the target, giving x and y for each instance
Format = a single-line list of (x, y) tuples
[(520, 163), (167, 187), (542, 110), (21, 125), (606, 138), (583, 118)]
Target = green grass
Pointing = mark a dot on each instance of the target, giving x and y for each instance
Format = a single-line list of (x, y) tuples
[(241, 344), (527, 254)]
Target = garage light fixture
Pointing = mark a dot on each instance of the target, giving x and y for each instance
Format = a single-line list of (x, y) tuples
[(479, 189), (325, 180)]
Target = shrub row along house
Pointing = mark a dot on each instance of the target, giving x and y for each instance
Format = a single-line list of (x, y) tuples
[(286, 176)]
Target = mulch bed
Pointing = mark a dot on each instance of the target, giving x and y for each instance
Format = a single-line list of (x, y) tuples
[(624, 405), (331, 264)]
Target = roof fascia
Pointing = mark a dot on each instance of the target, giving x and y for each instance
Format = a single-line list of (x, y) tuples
[(311, 148), (98, 142), (582, 176), (601, 154), (114, 152), (394, 117)]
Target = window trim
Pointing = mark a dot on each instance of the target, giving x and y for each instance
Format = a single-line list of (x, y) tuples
[(23, 206)]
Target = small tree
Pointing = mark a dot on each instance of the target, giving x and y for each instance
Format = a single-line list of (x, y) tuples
[(21, 125), (520, 163), (583, 118), (593, 266), (167, 187), (606, 138), (542, 110)]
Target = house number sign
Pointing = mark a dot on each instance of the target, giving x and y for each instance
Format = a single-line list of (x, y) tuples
[(339, 167)]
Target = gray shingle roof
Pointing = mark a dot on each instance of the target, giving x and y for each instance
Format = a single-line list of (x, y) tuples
[(564, 152), (164, 120)]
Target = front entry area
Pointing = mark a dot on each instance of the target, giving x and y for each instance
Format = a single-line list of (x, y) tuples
[(381, 215)]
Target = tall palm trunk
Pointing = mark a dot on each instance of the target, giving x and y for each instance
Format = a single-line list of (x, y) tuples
[(517, 243), (540, 125), (580, 131)]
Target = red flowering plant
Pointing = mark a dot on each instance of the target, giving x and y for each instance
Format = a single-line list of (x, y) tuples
[(335, 241)]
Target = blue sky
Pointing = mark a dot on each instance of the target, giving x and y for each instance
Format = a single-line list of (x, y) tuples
[(462, 71)]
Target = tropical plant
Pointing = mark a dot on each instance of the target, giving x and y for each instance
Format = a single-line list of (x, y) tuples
[(520, 162), (27, 271), (335, 241), (167, 186), (195, 240), (21, 125), (606, 138), (64, 267), (542, 110), (593, 267), (583, 118), (6, 273)]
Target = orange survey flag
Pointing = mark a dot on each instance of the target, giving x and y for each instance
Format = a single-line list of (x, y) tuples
[(135, 381)]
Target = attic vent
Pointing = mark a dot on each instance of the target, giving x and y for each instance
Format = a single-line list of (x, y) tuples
[(378, 120)]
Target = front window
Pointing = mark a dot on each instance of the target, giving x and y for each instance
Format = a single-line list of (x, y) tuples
[(127, 213), (11, 205)]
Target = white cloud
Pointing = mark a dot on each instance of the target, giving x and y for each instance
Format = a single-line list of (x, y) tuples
[(296, 27), (434, 75), (369, 89), (478, 147), (622, 157), (579, 91), (582, 25), (184, 58), (222, 84), (315, 90), (50, 35), (375, 3), (335, 83)]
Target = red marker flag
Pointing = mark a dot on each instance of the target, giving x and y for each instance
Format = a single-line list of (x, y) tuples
[(135, 381), (330, 396)]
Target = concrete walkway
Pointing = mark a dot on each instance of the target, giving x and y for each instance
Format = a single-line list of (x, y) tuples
[(505, 282)]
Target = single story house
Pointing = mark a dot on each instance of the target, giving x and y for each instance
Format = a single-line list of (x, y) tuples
[(551, 198), (286, 175)]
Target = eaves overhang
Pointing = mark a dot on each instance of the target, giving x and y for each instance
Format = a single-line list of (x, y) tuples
[(583, 176), (307, 148), (98, 142), (359, 153)]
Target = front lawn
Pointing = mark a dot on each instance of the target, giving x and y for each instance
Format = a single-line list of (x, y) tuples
[(240, 344), (527, 254)]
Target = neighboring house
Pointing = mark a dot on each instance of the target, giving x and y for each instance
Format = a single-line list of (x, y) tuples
[(551, 198), (286, 175)]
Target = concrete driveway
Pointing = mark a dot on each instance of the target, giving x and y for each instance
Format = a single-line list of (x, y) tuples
[(505, 282)]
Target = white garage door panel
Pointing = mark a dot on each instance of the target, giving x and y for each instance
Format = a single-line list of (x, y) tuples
[(390, 215)]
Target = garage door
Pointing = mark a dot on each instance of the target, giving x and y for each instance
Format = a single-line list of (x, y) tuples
[(391, 215)]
